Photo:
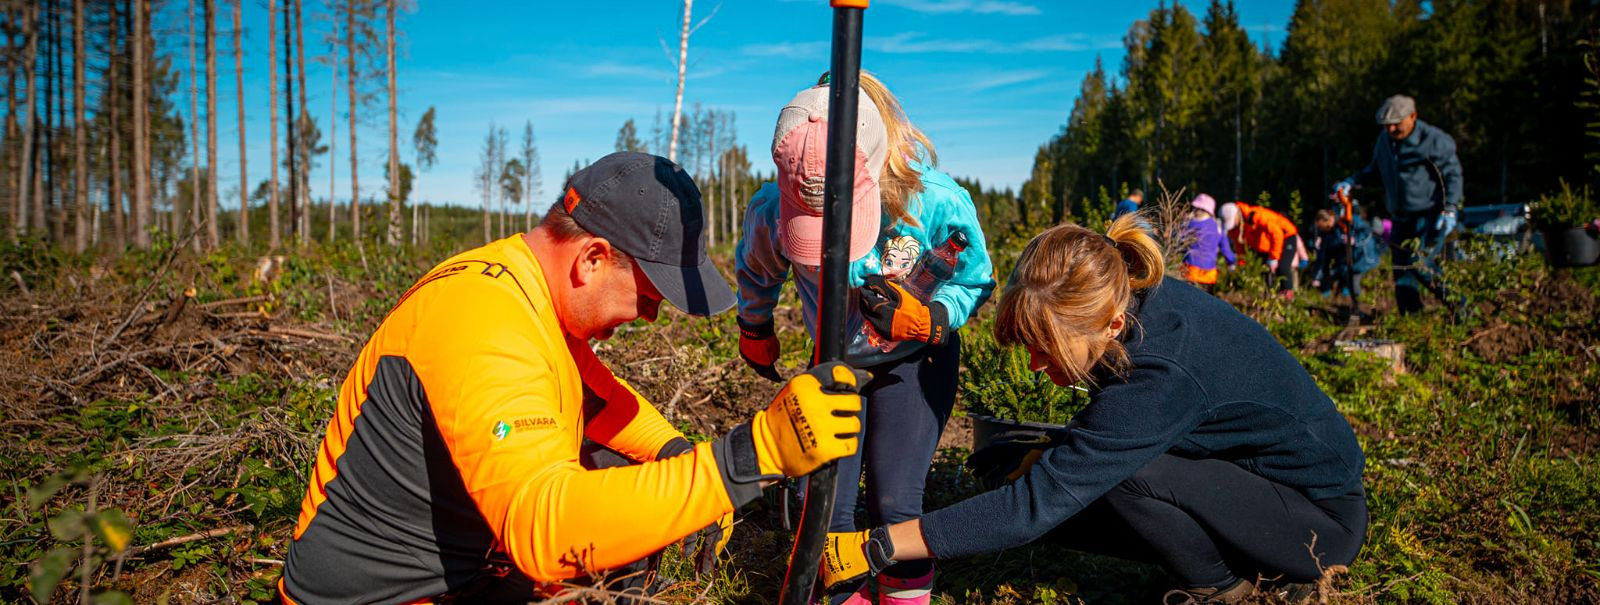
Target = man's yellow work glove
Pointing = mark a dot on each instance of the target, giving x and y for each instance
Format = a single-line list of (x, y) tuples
[(900, 315), (850, 555), (814, 420)]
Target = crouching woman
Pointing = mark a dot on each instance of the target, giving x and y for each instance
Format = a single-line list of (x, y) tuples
[(1205, 448)]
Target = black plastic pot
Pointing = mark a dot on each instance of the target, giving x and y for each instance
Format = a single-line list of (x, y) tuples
[(1570, 247), (986, 428)]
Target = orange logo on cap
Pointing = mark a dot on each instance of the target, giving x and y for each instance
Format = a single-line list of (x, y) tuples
[(571, 200)]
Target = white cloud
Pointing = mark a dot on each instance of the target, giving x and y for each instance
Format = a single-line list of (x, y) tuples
[(939, 7), (917, 42), (607, 69), (1072, 43), (1001, 79), (786, 49)]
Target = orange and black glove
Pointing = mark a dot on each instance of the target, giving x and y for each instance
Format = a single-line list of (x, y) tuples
[(758, 345), (898, 314)]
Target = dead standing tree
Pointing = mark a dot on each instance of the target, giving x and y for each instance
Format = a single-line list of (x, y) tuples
[(19, 210), (142, 216), (394, 128), (302, 167), (358, 38), (530, 161), (238, 81), (425, 141), (194, 138), (274, 237), (212, 237), (683, 58), (80, 142)]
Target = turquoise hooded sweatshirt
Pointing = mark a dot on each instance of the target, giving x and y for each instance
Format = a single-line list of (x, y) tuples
[(942, 208)]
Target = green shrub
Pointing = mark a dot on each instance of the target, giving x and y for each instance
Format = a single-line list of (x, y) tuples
[(996, 381), (1566, 208)]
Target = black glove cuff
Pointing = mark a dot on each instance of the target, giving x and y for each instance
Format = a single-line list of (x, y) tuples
[(678, 446), (938, 323), (736, 459), (758, 331), (879, 549)]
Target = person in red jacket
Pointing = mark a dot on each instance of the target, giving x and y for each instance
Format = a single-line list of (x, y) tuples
[(454, 467), (1271, 235)]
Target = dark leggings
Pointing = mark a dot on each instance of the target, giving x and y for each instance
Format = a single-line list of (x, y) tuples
[(1211, 523), (1286, 266), (907, 404)]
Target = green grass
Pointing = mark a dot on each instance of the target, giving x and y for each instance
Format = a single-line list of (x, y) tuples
[(1482, 477)]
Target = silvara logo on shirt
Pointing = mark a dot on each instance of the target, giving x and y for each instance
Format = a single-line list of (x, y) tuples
[(526, 423)]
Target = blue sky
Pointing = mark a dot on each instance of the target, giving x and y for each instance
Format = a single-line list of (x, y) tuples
[(988, 80)]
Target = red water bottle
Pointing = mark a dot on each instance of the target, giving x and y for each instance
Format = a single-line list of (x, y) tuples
[(936, 268)]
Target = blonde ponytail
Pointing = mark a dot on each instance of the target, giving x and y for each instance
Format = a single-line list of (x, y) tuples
[(1068, 288), (1139, 251)]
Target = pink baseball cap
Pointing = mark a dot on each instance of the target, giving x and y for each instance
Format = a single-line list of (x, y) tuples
[(1205, 202), (799, 148)]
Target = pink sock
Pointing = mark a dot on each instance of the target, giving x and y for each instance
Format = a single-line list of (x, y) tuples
[(906, 591)]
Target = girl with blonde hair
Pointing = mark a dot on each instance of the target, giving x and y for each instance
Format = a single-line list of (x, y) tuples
[(1205, 447), (903, 208)]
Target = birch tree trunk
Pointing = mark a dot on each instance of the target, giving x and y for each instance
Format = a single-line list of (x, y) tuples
[(677, 102), (238, 82), (394, 129)]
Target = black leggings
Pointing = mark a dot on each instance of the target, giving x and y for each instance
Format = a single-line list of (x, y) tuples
[(1211, 523)]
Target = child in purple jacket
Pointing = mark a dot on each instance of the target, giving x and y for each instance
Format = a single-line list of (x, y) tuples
[(1200, 264)]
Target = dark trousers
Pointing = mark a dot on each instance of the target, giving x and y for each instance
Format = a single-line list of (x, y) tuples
[(1211, 523), (1416, 248), (1333, 265), (907, 404), (1284, 277)]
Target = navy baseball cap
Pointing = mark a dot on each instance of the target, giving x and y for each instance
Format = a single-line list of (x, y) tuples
[(648, 206)]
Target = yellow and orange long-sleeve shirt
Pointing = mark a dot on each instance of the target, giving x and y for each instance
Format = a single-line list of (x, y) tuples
[(455, 445)]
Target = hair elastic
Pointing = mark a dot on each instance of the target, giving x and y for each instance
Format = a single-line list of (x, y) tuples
[(1109, 241)]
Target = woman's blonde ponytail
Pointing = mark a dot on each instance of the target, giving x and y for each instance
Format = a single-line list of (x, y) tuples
[(1138, 249)]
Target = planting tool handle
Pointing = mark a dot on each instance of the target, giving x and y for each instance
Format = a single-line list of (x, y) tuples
[(844, 78)]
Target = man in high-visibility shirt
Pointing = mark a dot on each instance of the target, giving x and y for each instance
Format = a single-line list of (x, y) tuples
[(451, 469)]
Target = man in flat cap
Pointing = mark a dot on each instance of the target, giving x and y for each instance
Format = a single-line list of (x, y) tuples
[(1416, 162), (454, 468)]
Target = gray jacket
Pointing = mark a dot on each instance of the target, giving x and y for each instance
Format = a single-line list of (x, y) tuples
[(1420, 173)]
